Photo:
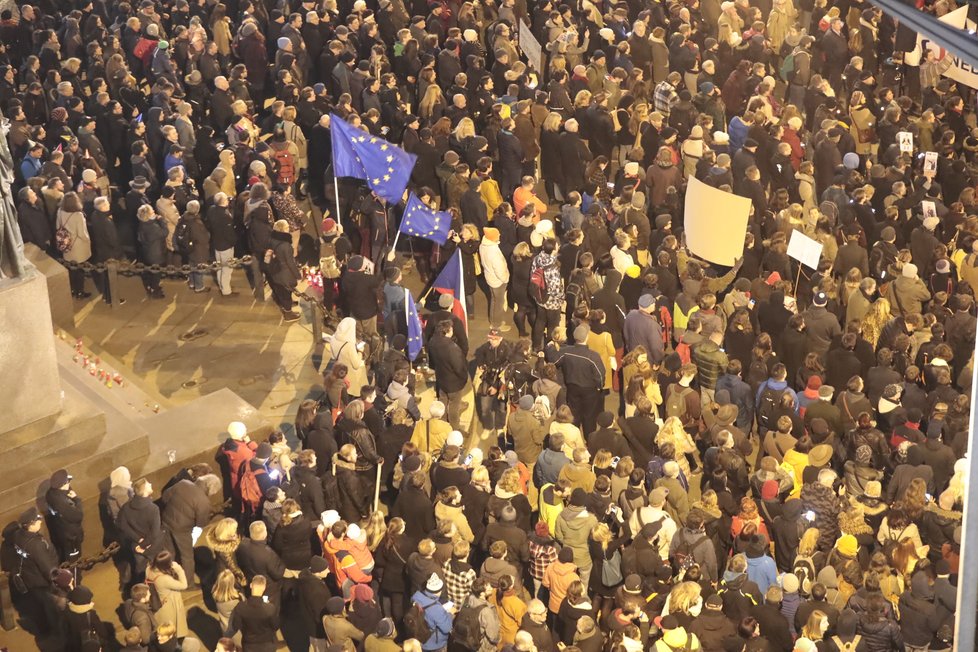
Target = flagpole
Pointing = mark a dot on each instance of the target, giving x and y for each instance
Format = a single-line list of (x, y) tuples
[(407, 325), (336, 185), (392, 253), (461, 287)]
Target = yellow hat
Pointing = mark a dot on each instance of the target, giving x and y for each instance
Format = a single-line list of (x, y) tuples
[(847, 545), (633, 271)]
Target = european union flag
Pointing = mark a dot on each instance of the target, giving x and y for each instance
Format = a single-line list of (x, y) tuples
[(425, 222), (414, 328), (386, 168)]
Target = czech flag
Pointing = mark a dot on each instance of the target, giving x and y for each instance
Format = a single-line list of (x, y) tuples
[(451, 281)]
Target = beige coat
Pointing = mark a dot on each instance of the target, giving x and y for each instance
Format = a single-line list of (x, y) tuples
[(81, 241), (169, 589), (454, 515)]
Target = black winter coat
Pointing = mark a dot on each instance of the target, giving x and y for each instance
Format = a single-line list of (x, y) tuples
[(221, 226), (185, 506), (139, 522), (68, 522), (359, 289), (105, 238), (151, 235), (449, 363), (40, 561), (283, 269), (417, 511), (312, 498), (257, 558), (313, 595), (293, 543)]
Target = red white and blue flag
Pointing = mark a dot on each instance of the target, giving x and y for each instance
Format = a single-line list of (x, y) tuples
[(451, 281)]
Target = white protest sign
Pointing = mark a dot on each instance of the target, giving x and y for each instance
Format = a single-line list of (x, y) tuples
[(930, 161), (531, 47), (905, 138), (716, 223), (958, 70), (805, 250), (928, 208)]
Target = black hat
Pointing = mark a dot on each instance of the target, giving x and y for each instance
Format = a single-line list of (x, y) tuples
[(334, 606), (578, 497), (750, 142), (633, 583), (80, 596), (598, 54), (60, 478), (606, 419), (28, 516), (411, 464), (318, 565), (566, 555)]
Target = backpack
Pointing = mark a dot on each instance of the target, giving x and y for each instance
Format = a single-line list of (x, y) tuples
[(183, 241), (788, 67), (329, 267), (251, 493), (804, 570), (466, 630), (856, 41), (683, 558), (665, 322), (676, 402), (63, 240), (847, 647), (415, 624), (683, 351), (611, 570), (768, 405), (286, 166), (538, 285)]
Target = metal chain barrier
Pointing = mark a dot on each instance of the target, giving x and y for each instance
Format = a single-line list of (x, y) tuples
[(88, 563), (127, 268)]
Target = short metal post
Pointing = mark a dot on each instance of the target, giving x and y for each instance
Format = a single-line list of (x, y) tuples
[(259, 279), (112, 280)]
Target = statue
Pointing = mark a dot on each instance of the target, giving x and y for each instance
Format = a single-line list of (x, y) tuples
[(13, 264)]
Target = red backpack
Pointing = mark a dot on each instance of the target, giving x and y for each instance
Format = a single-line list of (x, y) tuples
[(251, 493), (684, 352), (286, 166)]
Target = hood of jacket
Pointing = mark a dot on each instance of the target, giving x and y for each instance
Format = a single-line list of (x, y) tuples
[(576, 518)]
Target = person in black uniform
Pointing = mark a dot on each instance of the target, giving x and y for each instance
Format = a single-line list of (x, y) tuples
[(64, 516), (30, 571)]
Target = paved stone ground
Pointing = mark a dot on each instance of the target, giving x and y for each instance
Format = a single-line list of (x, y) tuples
[(242, 345)]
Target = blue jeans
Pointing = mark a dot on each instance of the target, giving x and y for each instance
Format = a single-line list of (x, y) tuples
[(196, 280)]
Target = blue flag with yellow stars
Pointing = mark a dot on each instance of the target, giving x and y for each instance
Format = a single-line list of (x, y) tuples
[(386, 168), (425, 222), (414, 327)]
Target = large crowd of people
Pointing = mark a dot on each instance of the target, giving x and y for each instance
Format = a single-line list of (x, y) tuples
[(666, 454)]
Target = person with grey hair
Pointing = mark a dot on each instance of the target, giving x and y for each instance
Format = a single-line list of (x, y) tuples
[(105, 244), (220, 225), (192, 241), (186, 506)]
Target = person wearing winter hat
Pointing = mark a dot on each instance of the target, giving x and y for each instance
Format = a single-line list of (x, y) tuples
[(438, 618), (573, 530), (82, 620), (674, 635), (382, 638), (907, 293)]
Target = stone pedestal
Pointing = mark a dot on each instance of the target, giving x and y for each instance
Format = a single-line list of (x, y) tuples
[(59, 289), (27, 358)]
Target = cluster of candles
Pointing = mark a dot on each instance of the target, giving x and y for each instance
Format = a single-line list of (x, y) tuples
[(92, 364)]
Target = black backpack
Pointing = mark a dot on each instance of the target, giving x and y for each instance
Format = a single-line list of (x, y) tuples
[(466, 630), (768, 406), (683, 558), (183, 241), (415, 624)]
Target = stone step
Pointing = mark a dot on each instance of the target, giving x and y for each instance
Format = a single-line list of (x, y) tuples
[(77, 422)]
